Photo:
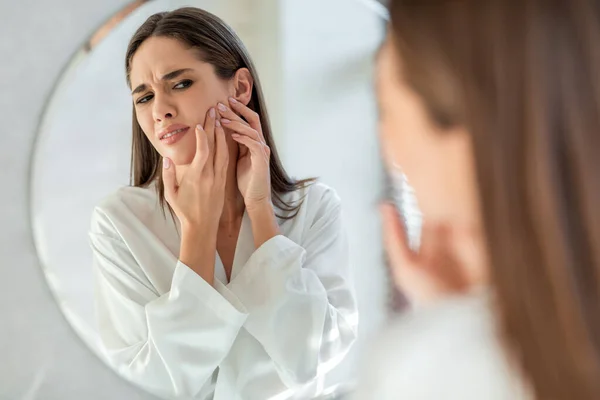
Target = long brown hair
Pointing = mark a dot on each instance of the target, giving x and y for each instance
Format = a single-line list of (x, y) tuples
[(524, 78), (218, 45)]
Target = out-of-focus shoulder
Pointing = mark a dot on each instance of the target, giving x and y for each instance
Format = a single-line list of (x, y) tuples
[(450, 350)]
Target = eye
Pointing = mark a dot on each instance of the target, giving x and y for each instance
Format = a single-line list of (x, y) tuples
[(144, 99), (183, 84)]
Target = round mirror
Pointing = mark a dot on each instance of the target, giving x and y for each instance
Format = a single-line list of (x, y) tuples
[(314, 59)]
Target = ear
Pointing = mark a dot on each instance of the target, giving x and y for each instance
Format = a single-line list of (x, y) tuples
[(242, 85)]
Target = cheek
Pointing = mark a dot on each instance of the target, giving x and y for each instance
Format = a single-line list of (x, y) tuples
[(195, 102), (403, 145), (404, 129), (412, 146), (193, 106), (146, 122)]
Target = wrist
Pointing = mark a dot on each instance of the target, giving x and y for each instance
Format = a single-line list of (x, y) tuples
[(201, 229), (264, 206), (197, 250), (264, 222)]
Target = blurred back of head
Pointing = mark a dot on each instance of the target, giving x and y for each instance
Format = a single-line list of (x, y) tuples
[(523, 78)]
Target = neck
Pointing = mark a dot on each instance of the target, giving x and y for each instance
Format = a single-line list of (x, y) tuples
[(233, 207)]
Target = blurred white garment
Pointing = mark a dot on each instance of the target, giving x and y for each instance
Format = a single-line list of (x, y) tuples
[(448, 351), (287, 316)]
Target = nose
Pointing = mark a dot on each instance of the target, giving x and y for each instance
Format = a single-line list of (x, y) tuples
[(163, 109)]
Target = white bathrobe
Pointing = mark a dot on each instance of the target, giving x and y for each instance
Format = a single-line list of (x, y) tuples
[(287, 316)]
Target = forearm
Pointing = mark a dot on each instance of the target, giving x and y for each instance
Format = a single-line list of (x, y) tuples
[(197, 251), (264, 222), (293, 292)]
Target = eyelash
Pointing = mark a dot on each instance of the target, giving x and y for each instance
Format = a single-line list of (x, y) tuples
[(187, 83)]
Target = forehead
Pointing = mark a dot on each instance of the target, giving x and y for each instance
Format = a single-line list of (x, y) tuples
[(158, 56)]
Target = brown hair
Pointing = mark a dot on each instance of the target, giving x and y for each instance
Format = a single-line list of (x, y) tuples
[(219, 46), (523, 78)]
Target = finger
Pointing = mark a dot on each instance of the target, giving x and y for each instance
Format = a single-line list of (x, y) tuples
[(404, 272), (434, 244), (209, 127), (250, 115), (169, 181), (471, 256), (242, 129), (221, 151), (394, 237), (255, 147), (228, 113), (461, 259), (405, 265), (201, 147), (439, 262)]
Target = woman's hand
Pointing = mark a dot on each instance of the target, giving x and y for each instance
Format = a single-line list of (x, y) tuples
[(198, 199), (253, 174), (446, 263)]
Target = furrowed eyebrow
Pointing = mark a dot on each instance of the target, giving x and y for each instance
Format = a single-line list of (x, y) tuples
[(166, 77)]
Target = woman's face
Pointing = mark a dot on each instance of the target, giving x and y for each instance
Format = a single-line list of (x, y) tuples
[(439, 166), (437, 163), (171, 90)]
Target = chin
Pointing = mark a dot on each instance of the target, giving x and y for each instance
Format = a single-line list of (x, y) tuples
[(179, 157), (182, 152)]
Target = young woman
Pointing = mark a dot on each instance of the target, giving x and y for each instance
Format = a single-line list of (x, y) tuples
[(491, 108), (218, 276)]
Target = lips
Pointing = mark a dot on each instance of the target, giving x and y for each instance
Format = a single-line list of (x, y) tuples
[(173, 133), (171, 129)]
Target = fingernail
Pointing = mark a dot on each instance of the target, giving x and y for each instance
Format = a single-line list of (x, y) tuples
[(199, 127), (218, 123), (225, 120), (232, 100), (166, 163), (212, 112), (222, 107)]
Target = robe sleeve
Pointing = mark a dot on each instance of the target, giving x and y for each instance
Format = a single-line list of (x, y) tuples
[(300, 297), (169, 343)]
